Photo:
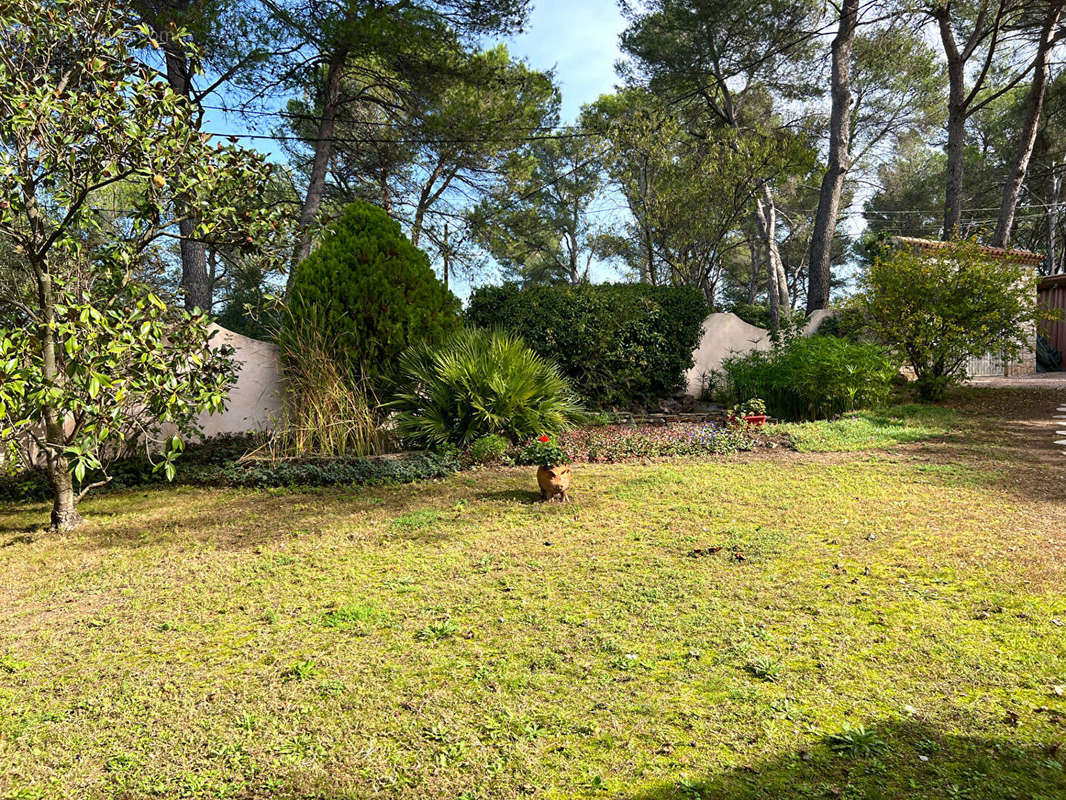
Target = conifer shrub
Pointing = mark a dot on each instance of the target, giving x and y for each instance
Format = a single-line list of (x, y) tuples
[(371, 292)]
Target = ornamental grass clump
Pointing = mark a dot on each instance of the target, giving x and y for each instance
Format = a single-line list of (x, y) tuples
[(813, 377), (327, 413), (477, 383)]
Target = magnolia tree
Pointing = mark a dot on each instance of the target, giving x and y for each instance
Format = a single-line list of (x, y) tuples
[(940, 309), (96, 153)]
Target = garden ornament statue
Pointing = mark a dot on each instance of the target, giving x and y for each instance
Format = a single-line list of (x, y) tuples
[(554, 483), (553, 471)]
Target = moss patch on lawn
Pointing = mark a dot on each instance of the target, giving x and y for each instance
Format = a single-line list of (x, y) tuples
[(864, 626), (867, 430)]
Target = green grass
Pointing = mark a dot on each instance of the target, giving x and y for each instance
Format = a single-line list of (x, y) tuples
[(767, 626), (864, 430)]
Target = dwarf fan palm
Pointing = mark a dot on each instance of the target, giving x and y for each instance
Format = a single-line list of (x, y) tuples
[(479, 382)]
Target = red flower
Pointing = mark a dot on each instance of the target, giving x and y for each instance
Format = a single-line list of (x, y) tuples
[(544, 439)]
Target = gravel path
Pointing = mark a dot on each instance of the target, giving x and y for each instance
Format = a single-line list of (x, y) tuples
[(1041, 380)]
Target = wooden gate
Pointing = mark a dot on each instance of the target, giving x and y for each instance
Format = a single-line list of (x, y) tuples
[(987, 366)]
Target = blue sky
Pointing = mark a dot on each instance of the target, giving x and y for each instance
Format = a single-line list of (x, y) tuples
[(579, 38)]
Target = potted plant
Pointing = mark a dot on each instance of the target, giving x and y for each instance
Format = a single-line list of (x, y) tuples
[(553, 470), (753, 412)]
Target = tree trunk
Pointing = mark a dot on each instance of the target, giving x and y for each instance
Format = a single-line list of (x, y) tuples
[(323, 151), (955, 152), (64, 512), (985, 29), (65, 516), (956, 125), (645, 225), (1027, 139), (1053, 219), (446, 256), (825, 221), (195, 284), (777, 287), (429, 195), (773, 252), (753, 280), (571, 266)]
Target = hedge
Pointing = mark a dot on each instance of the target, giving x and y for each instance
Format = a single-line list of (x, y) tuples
[(620, 345)]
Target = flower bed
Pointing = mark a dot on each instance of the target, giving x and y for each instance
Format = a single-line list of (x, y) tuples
[(612, 443)]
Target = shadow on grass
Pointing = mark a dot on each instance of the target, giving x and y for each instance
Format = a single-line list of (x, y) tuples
[(522, 496), (1009, 444), (226, 518), (902, 760)]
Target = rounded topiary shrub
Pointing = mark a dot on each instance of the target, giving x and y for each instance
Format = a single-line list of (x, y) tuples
[(369, 293)]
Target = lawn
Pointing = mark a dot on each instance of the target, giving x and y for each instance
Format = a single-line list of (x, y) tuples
[(862, 430), (879, 624)]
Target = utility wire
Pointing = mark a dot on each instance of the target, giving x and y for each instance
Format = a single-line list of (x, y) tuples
[(373, 123), (233, 137)]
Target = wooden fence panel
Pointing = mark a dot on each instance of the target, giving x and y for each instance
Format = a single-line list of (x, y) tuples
[(1053, 295)]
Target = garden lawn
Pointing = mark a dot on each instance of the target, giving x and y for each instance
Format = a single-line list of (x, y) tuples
[(863, 430), (879, 625)]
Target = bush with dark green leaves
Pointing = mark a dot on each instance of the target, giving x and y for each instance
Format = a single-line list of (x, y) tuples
[(479, 382), (219, 462), (619, 345), (370, 293), (813, 377)]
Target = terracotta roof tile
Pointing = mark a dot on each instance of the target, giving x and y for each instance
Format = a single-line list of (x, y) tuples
[(1024, 256)]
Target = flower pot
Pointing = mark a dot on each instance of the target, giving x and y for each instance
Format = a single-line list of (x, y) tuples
[(755, 420), (554, 483)]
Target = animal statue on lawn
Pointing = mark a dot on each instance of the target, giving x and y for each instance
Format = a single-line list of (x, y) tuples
[(554, 483)]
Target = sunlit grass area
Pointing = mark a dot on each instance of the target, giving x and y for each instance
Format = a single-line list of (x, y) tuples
[(878, 625), (863, 430)]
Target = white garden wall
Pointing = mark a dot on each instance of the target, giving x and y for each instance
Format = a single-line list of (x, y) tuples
[(255, 402), (727, 335)]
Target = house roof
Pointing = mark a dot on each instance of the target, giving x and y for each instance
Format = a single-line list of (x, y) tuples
[(1052, 282), (1024, 256)]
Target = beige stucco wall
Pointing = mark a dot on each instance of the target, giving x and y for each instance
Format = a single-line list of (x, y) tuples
[(727, 335), (724, 335), (255, 402)]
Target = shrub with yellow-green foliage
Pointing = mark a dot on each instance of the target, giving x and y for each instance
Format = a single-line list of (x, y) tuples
[(938, 310)]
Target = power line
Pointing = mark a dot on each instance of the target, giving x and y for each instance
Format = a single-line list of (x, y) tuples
[(374, 123), (369, 140), (938, 211)]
